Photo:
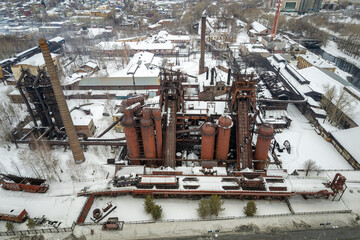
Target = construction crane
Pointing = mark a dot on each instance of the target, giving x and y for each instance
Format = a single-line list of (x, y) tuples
[(276, 20)]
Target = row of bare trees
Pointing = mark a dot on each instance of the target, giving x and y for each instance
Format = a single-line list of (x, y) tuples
[(337, 103), (41, 161), (11, 44), (351, 45), (299, 26)]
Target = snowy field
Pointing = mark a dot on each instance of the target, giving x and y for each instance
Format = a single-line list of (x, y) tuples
[(300, 205), (64, 209), (307, 144), (20, 161), (132, 209)]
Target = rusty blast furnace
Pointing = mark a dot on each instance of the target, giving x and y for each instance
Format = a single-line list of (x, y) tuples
[(172, 136), (168, 132)]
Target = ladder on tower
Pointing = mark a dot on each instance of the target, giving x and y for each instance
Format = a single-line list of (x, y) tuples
[(244, 153)]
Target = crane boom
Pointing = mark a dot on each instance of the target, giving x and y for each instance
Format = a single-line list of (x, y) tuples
[(276, 20)]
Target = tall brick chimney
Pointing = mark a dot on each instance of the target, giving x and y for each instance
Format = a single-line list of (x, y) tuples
[(202, 53), (63, 108)]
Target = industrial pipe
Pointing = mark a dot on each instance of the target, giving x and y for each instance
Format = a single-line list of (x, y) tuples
[(212, 76), (223, 137), (156, 113), (110, 127), (63, 108), (228, 77)]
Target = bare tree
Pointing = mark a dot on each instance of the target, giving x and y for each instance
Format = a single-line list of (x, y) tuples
[(40, 160), (337, 103), (309, 165)]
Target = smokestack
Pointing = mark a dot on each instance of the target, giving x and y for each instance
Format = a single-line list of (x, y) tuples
[(202, 53), (229, 75), (63, 108), (212, 76)]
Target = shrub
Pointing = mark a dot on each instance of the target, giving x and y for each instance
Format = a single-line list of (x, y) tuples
[(156, 212), (210, 206), (9, 226), (31, 223), (149, 203), (250, 209), (215, 204), (203, 209)]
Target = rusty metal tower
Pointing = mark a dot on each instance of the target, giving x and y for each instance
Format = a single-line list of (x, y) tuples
[(242, 101), (276, 20)]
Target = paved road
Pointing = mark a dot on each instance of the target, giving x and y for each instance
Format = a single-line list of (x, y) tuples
[(352, 233)]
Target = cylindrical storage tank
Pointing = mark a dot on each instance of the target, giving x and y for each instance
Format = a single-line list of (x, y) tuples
[(132, 141), (157, 117), (208, 131), (265, 135), (223, 137), (147, 134)]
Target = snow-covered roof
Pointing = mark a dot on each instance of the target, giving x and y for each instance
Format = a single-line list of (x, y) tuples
[(80, 118), (156, 25), (10, 210), (28, 50), (318, 80), (256, 48), (143, 46), (91, 64), (258, 27), (349, 139), (142, 64), (139, 46), (36, 60), (277, 172), (160, 179), (164, 36), (75, 77), (307, 185), (317, 61), (93, 32), (56, 39)]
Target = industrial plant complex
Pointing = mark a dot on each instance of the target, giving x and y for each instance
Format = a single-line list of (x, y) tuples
[(108, 136)]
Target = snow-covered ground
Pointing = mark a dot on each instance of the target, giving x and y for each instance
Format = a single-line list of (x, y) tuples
[(301, 205), (131, 209), (332, 48), (64, 209), (307, 144)]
